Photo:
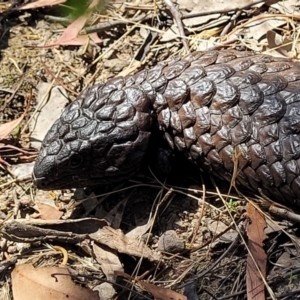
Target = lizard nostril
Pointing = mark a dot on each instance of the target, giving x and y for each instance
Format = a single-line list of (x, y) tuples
[(40, 183)]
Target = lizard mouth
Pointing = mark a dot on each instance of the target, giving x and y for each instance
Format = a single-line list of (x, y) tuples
[(46, 184)]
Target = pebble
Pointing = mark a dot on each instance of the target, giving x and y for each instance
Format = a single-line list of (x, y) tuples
[(169, 242)]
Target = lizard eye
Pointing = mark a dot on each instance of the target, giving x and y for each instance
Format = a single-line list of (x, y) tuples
[(75, 161)]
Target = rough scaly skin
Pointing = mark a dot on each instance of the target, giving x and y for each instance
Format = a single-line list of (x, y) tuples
[(223, 109)]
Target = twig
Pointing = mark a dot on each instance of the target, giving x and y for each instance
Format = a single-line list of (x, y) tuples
[(221, 11), (230, 24), (284, 213), (107, 25), (178, 21)]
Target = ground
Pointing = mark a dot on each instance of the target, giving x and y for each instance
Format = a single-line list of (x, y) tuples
[(197, 237)]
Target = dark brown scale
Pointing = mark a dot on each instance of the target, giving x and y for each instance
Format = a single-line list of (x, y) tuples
[(223, 109)]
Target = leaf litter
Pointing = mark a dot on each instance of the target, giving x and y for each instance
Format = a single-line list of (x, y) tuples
[(47, 283), (126, 240)]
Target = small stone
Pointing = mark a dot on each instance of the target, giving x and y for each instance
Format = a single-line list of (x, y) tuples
[(169, 242), (105, 290), (12, 249)]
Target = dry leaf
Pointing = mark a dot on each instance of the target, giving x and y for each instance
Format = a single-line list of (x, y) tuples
[(209, 6), (258, 28), (140, 230), (157, 291), (279, 45), (256, 236), (79, 40), (29, 283), (7, 128), (71, 34), (115, 215), (42, 3), (115, 239), (49, 212), (160, 292), (108, 260)]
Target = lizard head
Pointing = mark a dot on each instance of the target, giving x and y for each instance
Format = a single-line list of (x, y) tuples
[(82, 149)]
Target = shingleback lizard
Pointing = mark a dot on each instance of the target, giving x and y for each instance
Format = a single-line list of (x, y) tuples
[(225, 110)]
